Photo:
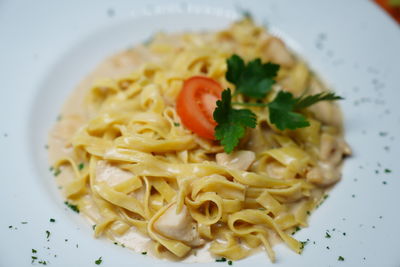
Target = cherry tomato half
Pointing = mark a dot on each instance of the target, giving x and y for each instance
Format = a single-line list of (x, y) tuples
[(196, 103)]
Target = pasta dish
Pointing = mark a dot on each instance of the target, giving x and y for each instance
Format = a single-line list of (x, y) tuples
[(200, 145)]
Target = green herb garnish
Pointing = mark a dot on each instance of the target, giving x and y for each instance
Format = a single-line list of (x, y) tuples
[(220, 259), (52, 220), (340, 258), (98, 261), (303, 102), (81, 166), (47, 234), (231, 122), (57, 172), (283, 110), (144, 253), (296, 230), (303, 243), (254, 80), (72, 207), (327, 235)]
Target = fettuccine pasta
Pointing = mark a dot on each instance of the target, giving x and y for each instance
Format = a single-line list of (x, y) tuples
[(146, 182)]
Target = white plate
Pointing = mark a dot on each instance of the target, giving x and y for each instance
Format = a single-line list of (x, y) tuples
[(46, 48)]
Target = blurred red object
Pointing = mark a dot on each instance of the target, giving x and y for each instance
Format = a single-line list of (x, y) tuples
[(392, 9)]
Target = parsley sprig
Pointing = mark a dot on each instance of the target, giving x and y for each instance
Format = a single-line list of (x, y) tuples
[(309, 100), (283, 110), (231, 122), (255, 80)]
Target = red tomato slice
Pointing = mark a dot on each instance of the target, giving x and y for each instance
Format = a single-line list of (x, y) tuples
[(196, 103)]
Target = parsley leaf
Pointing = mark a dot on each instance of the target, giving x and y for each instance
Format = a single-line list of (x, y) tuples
[(223, 259), (72, 206), (327, 235), (283, 109), (254, 79), (81, 166), (47, 234), (281, 112), (306, 101), (98, 261), (231, 122)]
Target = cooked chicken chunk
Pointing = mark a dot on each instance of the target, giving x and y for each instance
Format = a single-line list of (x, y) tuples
[(110, 174), (179, 226), (240, 160), (277, 52), (332, 151)]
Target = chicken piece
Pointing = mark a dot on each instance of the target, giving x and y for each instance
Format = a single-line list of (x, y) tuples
[(278, 171), (240, 160), (324, 175), (105, 172), (325, 111), (297, 80), (179, 226), (332, 149), (277, 52)]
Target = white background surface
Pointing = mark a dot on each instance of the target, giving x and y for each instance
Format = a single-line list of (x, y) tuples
[(46, 48)]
